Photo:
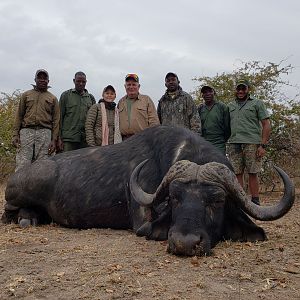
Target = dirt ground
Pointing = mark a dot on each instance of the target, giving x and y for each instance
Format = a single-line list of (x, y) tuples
[(51, 262)]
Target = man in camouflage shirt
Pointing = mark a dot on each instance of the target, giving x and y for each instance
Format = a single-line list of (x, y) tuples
[(176, 107)]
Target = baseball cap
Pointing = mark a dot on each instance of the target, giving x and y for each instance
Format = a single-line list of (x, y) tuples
[(206, 87), (132, 76), (244, 82), (171, 74), (109, 87), (41, 71)]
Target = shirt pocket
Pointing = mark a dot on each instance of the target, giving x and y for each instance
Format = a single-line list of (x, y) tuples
[(49, 105), (250, 112), (71, 108), (142, 111), (29, 103)]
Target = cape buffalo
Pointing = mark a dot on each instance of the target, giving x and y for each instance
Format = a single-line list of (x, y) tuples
[(164, 183)]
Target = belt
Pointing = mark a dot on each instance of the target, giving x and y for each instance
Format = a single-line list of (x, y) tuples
[(36, 127)]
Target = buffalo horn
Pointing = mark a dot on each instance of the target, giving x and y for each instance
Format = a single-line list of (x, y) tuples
[(137, 193), (146, 199), (274, 212)]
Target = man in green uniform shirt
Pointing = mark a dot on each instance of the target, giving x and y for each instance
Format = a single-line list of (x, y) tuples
[(215, 119), (74, 105), (250, 132)]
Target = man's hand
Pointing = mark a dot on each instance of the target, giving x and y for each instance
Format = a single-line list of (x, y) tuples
[(51, 147), (59, 145), (260, 152), (16, 141)]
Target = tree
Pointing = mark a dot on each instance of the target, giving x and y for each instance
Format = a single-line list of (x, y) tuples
[(8, 105), (268, 84)]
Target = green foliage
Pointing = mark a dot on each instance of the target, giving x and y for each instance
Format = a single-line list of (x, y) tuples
[(268, 83), (8, 105)]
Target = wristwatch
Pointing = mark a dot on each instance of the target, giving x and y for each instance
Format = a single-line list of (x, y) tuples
[(263, 145)]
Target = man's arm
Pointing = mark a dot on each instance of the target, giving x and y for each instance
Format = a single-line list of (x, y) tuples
[(195, 121), (226, 120), (266, 131), (159, 112), (56, 120), (152, 114), (18, 121), (93, 99)]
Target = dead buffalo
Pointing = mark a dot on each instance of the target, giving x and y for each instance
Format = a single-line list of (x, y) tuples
[(164, 183)]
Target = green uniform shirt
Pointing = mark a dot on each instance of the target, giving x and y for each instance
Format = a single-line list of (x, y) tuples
[(215, 124), (73, 109), (245, 121)]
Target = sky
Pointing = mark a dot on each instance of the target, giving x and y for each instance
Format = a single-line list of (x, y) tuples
[(108, 39)]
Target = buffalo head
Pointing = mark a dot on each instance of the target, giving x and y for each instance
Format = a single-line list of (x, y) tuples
[(202, 203)]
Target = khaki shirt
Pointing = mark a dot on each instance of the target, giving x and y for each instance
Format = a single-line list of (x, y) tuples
[(143, 115), (37, 109)]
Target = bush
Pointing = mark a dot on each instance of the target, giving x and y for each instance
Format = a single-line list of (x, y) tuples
[(8, 105)]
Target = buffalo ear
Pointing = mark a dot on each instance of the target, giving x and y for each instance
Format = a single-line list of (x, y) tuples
[(239, 227)]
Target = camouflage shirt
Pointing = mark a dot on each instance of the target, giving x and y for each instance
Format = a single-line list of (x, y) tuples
[(179, 110)]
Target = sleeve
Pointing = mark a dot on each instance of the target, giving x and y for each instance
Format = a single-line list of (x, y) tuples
[(55, 120), (62, 108), (93, 99), (152, 114), (226, 120), (90, 125), (195, 121), (159, 112), (19, 115), (262, 111)]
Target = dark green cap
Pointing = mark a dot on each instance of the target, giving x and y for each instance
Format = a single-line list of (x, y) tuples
[(204, 87), (244, 82)]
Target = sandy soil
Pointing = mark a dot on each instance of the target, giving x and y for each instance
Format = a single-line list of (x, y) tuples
[(51, 262)]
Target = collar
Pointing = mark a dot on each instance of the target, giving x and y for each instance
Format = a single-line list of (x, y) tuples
[(137, 98), (85, 91), (249, 97), (108, 105), (215, 102), (173, 95), (35, 88)]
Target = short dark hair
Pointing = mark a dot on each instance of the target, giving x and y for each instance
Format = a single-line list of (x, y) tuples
[(79, 73)]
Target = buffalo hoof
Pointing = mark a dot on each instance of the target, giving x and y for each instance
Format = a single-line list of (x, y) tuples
[(27, 222), (9, 217), (145, 229)]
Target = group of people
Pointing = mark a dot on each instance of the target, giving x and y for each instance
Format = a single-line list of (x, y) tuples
[(45, 125)]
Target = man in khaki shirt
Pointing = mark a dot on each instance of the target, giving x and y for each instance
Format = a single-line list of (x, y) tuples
[(137, 112), (36, 125)]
